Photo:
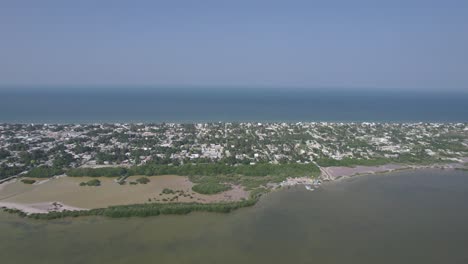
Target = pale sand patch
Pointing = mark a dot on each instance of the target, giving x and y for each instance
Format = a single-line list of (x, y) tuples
[(296, 181), (337, 172), (40, 208), (66, 190), (41, 181)]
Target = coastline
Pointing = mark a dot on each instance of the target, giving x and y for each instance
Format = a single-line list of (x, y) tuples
[(40, 208), (58, 209), (334, 174), (38, 197)]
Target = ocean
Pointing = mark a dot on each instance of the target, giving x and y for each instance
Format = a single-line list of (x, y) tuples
[(188, 105)]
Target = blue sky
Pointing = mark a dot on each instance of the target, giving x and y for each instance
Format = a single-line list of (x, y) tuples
[(408, 45)]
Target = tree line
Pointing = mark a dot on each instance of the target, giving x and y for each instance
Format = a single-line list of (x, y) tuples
[(210, 169)]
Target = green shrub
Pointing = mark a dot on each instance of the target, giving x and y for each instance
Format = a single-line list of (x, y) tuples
[(94, 182), (147, 209), (143, 180), (210, 188), (28, 181), (168, 191)]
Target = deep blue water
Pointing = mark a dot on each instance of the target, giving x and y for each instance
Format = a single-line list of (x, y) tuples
[(206, 105)]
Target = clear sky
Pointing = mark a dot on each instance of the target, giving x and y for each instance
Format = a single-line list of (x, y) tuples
[(357, 44)]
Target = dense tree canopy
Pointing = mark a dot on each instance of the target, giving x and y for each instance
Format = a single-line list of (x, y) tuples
[(211, 169)]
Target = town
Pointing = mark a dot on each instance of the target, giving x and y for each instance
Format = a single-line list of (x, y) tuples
[(25, 147)]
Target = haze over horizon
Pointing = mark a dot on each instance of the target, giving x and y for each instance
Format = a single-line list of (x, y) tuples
[(398, 45)]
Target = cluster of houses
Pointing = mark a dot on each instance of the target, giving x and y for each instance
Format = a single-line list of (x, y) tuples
[(248, 143)]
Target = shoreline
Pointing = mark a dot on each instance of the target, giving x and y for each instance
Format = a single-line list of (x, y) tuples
[(40, 208), (328, 175), (66, 194), (336, 174)]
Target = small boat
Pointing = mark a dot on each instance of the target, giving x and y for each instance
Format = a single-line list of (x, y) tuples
[(309, 188)]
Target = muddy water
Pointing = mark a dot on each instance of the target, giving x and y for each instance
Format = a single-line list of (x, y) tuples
[(405, 217)]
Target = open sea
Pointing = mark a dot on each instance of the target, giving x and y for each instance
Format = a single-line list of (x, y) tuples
[(120, 104)]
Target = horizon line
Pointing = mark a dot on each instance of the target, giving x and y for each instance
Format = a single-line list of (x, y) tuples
[(220, 87)]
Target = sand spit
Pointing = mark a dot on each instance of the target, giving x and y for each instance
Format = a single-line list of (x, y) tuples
[(335, 173), (338, 173), (40, 208)]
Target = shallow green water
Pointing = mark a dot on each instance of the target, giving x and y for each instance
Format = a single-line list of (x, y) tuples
[(409, 217)]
